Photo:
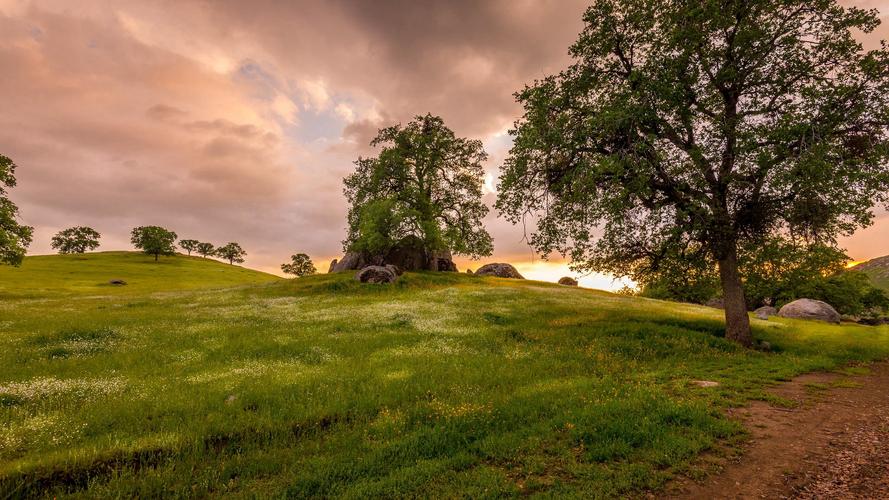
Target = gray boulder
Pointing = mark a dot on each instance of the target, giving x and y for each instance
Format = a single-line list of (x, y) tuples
[(349, 262), (810, 309), (499, 269), (376, 274), (765, 311), (567, 281), (332, 266), (409, 255), (117, 282)]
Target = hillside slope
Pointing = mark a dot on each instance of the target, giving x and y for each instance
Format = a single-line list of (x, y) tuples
[(878, 270), (441, 385), (90, 273)]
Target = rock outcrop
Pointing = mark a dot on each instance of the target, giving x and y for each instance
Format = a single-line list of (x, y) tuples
[(408, 255), (499, 269), (332, 266), (567, 281), (765, 311), (376, 274), (810, 309)]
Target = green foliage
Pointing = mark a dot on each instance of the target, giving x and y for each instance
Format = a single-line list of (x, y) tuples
[(775, 271), (850, 292), (154, 240), (205, 249), (232, 252), (300, 265), (702, 123), (685, 275), (189, 245), (77, 239), (14, 237), (427, 183), (779, 270), (444, 385)]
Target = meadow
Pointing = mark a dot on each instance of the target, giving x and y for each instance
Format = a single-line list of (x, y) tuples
[(202, 379)]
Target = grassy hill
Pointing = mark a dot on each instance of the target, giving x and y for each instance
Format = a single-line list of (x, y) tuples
[(878, 270), (90, 273), (440, 385)]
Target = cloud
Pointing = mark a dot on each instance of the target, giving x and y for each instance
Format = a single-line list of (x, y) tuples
[(235, 121)]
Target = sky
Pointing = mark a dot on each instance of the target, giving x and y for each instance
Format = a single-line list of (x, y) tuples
[(237, 121)]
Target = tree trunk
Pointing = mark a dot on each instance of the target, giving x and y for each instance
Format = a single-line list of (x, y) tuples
[(737, 323), (155, 257)]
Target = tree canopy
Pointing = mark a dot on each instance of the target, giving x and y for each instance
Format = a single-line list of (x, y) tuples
[(154, 240), (205, 249), (426, 182), (14, 237), (78, 239), (300, 265), (232, 252), (189, 245), (702, 126)]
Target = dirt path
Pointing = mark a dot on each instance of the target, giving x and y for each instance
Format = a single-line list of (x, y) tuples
[(834, 444)]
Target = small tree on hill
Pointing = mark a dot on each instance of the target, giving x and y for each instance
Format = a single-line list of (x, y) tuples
[(708, 124), (78, 239), (205, 249), (14, 237), (154, 240), (189, 245), (427, 183), (232, 252), (300, 265)]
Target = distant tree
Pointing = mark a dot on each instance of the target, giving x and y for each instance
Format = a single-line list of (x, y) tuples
[(14, 237), (189, 245), (777, 270), (205, 249), (154, 240), (427, 183), (774, 271), (712, 124), (77, 239), (300, 265), (232, 252)]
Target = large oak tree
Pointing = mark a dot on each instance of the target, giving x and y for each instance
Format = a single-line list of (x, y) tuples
[(427, 183), (702, 125)]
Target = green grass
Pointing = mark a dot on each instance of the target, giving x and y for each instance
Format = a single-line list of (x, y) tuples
[(54, 275), (440, 385)]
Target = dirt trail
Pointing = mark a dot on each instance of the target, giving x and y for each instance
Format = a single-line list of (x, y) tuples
[(834, 444)]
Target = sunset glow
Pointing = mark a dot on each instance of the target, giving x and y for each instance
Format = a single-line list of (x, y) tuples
[(153, 113)]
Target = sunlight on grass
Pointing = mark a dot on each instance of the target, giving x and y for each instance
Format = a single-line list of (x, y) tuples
[(441, 385)]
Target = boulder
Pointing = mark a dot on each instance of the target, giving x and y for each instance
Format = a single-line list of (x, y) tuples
[(765, 311), (499, 269), (810, 309), (349, 262), (716, 303), (117, 282), (408, 255), (567, 281), (332, 266), (469, 271), (442, 261), (376, 274), (395, 269)]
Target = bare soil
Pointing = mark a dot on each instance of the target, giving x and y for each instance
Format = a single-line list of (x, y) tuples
[(833, 443)]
